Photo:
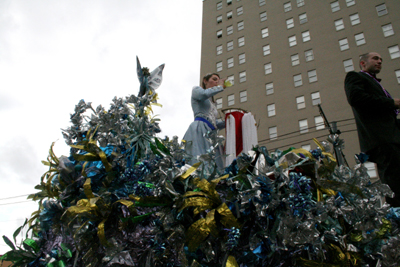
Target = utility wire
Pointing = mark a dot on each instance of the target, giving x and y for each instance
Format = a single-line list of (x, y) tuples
[(273, 149), (311, 127), (298, 131), (14, 197), (13, 221), (15, 203)]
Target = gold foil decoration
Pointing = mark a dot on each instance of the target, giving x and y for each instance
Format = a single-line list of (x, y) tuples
[(210, 221), (94, 153), (197, 233), (319, 144), (227, 218), (231, 262), (200, 202), (195, 194), (101, 233), (216, 181), (340, 256), (385, 227), (326, 154), (125, 202), (87, 188), (208, 188), (200, 230), (191, 170), (302, 151)]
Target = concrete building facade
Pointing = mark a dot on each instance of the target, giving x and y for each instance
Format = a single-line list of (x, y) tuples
[(285, 57)]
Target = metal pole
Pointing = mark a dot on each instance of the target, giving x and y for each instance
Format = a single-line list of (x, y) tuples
[(338, 152)]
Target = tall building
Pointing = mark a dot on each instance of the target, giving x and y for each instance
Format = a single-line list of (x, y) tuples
[(286, 57)]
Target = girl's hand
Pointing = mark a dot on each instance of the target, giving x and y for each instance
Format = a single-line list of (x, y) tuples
[(221, 82)]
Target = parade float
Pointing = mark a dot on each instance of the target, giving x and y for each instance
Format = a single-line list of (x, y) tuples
[(125, 197)]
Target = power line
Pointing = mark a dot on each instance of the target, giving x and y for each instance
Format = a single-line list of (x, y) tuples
[(308, 128), (273, 149), (13, 220), (15, 197), (15, 203)]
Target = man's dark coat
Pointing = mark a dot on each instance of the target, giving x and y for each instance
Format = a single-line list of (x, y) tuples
[(373, 110)]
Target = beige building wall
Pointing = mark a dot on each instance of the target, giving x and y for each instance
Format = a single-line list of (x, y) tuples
[(326, 23)]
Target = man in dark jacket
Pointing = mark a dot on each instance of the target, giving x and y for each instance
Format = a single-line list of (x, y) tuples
[(375, 113)]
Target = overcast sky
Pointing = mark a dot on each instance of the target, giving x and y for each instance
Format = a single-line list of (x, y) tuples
[(54, 53)]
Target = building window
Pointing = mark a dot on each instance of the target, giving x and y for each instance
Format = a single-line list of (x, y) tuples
[(241, 41), (339, 24), (350, 2), (289, 23), (397, 72), (316, 99), (306, 36), (264, 33), (263, 16), (229, 46), (243, 96), (269, 88), (309, 54), (306, 147), (219, 19), (228, 2), (394, 52), (371, 169), (273, 133), (219, 34), (268, 68), (344, 44), (230, 62), (319, 123), (300, 3), (348, 65), (271, 110), (240, 25), (303, 18), (295, 59), (292, 41), (231, 100), (387, 30), (242, 76), (261, 2), (303, 125), (381, 10), (231, 79), (301, 103), (242, 58), (219, 5), (219, 50), (287, 6), (229, 30), (298, 81), (218, 103), (239, 11), (219, 66), (312, 76), (360, 39), (335, 6), (266, 50), (229, 15), (355, 19)]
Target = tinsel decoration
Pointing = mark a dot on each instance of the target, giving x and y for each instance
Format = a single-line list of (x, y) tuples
[(125, 197)]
